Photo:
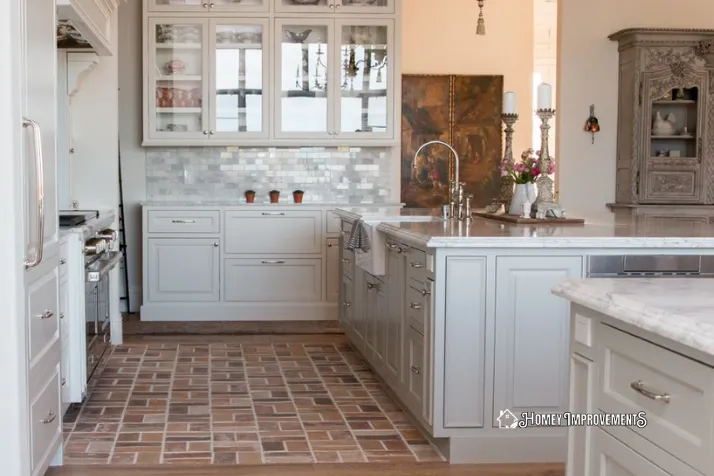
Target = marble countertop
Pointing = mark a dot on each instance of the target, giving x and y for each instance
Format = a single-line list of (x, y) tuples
[(242, 203), (603, 230), (679, 309), (90, 227), (379, 214)]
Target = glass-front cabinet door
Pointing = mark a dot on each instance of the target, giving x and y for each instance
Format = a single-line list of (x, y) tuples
[(365, 100), (334, 6), (239, 79), (673, 145), (209, 6), (304, 106), (177, 73)]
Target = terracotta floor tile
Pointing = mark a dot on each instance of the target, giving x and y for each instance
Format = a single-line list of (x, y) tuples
[(239, 402)]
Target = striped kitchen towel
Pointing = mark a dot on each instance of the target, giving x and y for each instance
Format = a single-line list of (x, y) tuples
[(359, 239)]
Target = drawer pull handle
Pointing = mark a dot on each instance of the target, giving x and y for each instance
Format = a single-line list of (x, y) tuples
[(183, 221), (330, 245), (346, 304), (640, 388), (401, 250), (415, 305), (61, 315), (64, 381), (51, 416), (273, 214), (46, 315), (216, 244), (417, 265), (415, 370), (345, 260), (424, 292), (273, 261), (63, 261)]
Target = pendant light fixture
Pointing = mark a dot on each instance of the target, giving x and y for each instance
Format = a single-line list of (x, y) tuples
[(480, 25)]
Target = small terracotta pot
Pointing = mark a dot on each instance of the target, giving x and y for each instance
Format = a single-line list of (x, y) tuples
[(249, 197), (274, 197), (297, 197)]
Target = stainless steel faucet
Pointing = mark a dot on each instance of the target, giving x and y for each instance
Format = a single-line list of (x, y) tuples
[(456, 188)]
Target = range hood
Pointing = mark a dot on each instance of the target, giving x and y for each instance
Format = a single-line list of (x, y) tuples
[(85, 25)]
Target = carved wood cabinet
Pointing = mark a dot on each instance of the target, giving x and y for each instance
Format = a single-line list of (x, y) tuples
[(665, 145)]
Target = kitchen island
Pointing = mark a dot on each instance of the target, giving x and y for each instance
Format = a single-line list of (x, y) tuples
[(642, 347), (459, 322)]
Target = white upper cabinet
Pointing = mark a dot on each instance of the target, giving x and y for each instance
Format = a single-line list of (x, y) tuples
[(334, 6), (285, 73), (209, 6)]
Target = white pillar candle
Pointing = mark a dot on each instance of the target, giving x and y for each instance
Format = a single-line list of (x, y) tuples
[(545, 99), (509, 102)]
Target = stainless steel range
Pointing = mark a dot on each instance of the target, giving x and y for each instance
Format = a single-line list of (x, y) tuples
[(100, 257)]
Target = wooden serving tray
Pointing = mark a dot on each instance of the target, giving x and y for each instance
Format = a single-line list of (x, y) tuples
[(530, 221)]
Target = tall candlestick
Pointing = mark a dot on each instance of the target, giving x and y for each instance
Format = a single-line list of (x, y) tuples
[(545, 96), (509, 102)]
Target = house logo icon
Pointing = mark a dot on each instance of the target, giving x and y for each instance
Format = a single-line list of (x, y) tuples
[(506, 419)]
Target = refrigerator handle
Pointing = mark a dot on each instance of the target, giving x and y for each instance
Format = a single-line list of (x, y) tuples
[(40, 190)]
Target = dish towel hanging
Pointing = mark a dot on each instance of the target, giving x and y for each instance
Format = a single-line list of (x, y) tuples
[(359, 239)]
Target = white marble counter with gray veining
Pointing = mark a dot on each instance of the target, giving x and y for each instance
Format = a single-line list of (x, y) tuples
[(242, 203), (90, 227), (678, 309), (603, 230)]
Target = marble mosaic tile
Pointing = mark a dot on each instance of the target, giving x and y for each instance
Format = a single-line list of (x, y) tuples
[(326, 174), (239, 404)]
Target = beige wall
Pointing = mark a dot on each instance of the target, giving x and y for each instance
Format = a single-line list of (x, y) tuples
[(588, 75), (439, 37)]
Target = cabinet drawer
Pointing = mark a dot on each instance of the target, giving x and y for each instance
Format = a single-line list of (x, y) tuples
[(414, 371), (273, 280), (274, 232), (416, 309), (46, 419), (333, 222), (611, 457), (676, 393), (43, 315), (416, 268), (198, 221)]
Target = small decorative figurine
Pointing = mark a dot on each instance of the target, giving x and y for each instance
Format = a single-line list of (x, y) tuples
[(592, 125), (526, 209), (664, 127)]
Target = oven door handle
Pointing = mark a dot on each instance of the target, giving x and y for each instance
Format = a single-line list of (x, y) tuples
[(102, 266)]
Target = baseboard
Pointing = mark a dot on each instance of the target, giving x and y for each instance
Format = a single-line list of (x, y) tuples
[(136, 327), (236, 312)]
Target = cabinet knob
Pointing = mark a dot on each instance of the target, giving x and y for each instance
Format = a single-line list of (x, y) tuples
[(391, 246), (51, 416), (332, 6), (212, 5), (337, 7), (345, 260), (371, 286), (211, 132), (400, 250), (46, 315), (216, 244), (61, 315), (330, 245), (64, 382), (63, 261), (424, 292), (205, 133), (205, 5), (346, 304), (415, 369)]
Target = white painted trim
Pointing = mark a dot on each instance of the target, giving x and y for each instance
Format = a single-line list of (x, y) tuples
[(78, 67)]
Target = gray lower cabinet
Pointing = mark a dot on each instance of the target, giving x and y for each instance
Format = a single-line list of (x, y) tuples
[(265, 232), (609, 457), (374, 310), (273, 280), (525, 343), (414, 359), (183, 270), (394, 317)]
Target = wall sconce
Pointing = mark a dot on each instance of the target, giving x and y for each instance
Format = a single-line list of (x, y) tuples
[(480, 24), (592, 125)]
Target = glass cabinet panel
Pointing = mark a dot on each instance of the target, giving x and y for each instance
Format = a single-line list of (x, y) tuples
[(364, 6), (304, 105), (177, 74), (675, 124), (364, 102), (239, 66), (243, 6)]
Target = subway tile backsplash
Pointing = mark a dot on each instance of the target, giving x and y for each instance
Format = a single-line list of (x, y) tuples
[(326, 174)]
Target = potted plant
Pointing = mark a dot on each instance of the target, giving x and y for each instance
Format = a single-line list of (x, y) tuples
[(249, 196), (297, 196), (274, 196)]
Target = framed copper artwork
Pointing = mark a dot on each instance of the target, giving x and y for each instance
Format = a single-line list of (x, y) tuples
[(464, 111)]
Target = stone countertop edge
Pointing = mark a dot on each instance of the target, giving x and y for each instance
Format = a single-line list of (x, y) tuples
[(680, 327)]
